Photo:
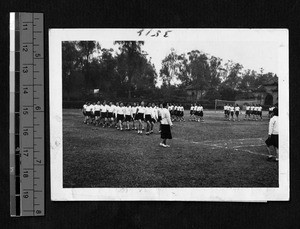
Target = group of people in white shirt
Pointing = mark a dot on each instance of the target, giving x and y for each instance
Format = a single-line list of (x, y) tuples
[(177, 112), (231, 112), (121, 116), (196, 113), (254, 110)]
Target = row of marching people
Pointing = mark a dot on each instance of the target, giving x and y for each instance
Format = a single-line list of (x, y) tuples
[(123, 116), (130, 117)]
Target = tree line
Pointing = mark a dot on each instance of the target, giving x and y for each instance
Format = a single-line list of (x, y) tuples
[(130, 74)]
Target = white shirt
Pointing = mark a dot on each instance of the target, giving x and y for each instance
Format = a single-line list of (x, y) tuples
[(141, 109), (127, 110), (192, 108), (120, 110), (227, 108), (247, 108), (104, 108), (259, 108), (93, 108), (154, 113), (231, 108), (273, 125), (133, 110), (256, 108), (148, 111), (199, 108), (165, 117), (111, 108), (89, 108), (84, 107), (237, 108), (97, 107), (116, 109), (159, 111)]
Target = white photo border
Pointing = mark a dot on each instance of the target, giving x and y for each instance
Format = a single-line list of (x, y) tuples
[(58, 193)]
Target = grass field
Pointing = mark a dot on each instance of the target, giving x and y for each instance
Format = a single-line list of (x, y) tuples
[(215, 153)]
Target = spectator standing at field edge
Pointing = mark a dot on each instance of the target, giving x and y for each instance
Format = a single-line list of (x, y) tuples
[(273, 134), (166, 124)]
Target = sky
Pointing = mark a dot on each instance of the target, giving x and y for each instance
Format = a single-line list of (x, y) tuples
[(252, 48)]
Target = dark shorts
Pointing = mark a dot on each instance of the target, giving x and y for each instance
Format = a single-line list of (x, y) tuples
[(191, 112), (84, 113), (231, 112), (159, 118), (165, 132), (225, 112), (109, 115), (88, 113), (148, 118), (139, 116), (97, 113), (247, 112), (120, 117), (237, 113), (197, 113), (127, 118), (201, 113), (272, 141), (103, 114)]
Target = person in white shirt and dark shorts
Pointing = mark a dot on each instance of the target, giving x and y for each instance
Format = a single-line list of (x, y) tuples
[(273, 135), (166, 124), (128, 116), (140, 116), (120, 116), (237, 112)]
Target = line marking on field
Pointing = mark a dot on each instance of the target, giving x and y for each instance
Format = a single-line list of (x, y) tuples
[(229, 144)]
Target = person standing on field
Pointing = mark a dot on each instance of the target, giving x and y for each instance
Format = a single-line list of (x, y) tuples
[(166, 124), (273, 135)]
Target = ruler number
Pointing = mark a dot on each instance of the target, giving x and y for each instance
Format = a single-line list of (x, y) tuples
[(25, 26), (37, 108), (25, 110), (25, 132), (38, 211), (25, 90), (25, 194), (37, 55), (25, 174), (25, 152), (25, 48), (25, 69)]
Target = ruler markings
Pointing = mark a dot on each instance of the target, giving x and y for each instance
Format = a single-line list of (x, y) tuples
[(27, 64)]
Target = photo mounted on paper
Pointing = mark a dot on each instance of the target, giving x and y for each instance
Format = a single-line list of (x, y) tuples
[(169, 114)]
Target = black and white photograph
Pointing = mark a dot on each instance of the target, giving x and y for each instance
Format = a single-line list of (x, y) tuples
[(169, 114)]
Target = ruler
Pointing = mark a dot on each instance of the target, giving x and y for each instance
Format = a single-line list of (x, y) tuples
[(27, 189)]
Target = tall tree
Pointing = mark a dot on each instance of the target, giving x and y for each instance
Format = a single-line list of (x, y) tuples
[(199, 70), (233, 78), (70, 64), (87, 48), (129, 61), (170, 71)]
